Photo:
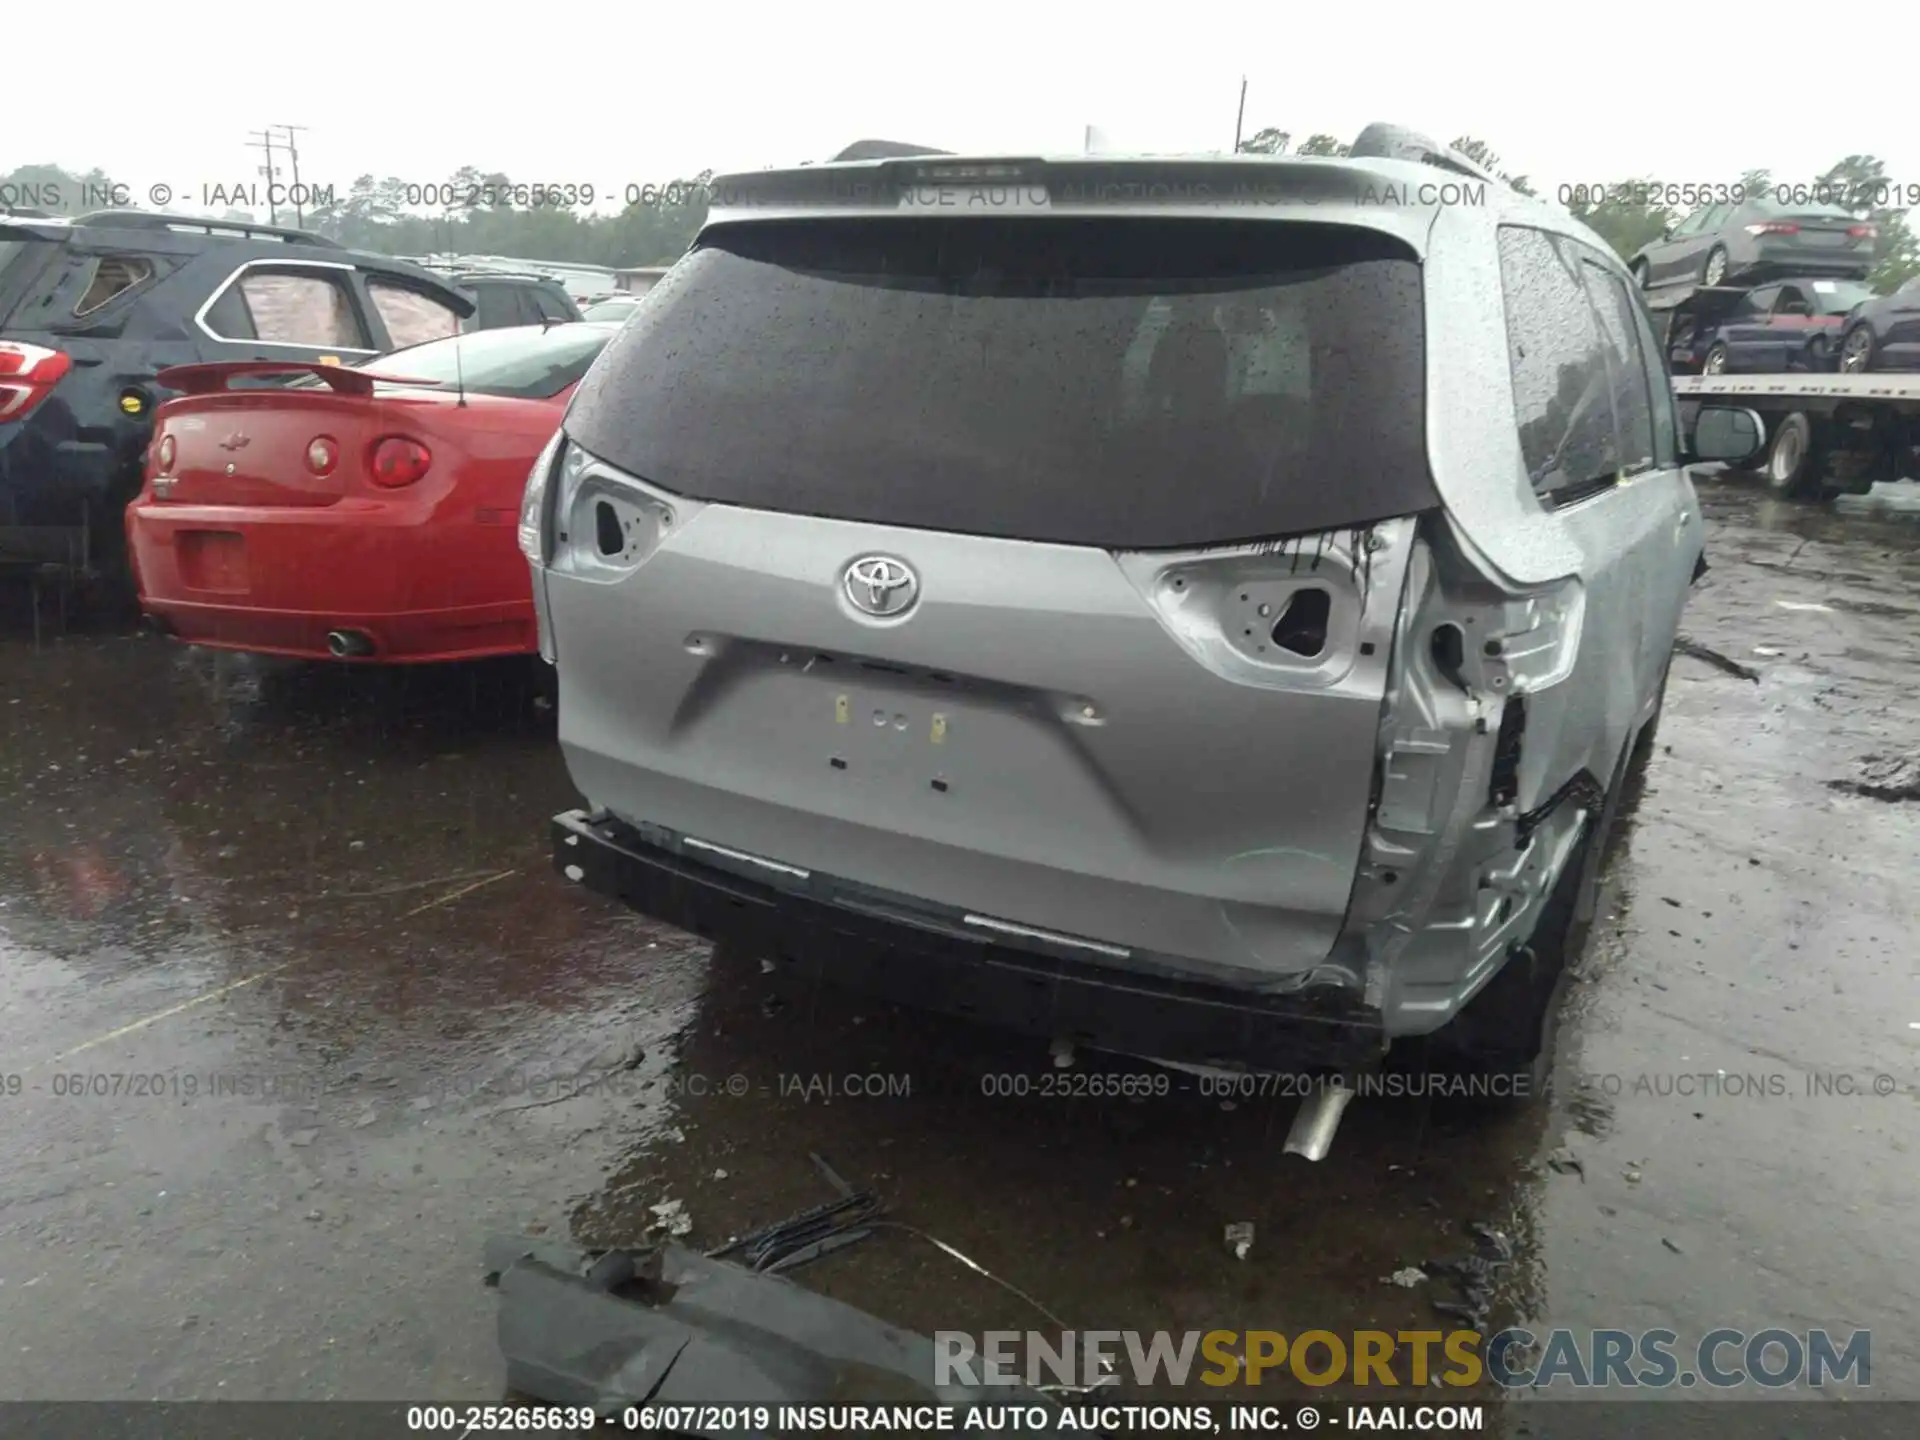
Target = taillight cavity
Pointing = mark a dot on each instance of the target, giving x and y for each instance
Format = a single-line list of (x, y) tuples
[(163, 454), (397, 462), (28, 374), (323, 453)]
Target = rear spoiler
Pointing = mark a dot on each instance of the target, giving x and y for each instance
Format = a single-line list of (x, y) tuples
[(211, 377)]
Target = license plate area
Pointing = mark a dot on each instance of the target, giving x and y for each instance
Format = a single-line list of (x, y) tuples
[(213, 560)]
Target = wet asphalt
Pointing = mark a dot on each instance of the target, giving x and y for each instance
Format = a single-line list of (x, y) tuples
[(294, 1013)]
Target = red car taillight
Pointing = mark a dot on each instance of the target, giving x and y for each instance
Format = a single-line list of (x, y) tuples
[(323, 454), (1774, 227), (398, 461), (1863, 232), (28, 374)]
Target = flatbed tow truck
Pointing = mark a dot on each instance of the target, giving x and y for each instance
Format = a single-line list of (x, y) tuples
[(1826, 434)]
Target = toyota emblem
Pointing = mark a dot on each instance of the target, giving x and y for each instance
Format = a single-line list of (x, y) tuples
[(880, 585)]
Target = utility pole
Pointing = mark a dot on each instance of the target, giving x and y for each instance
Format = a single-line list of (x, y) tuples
[(264, 139), (1240, 118), (299, 206)]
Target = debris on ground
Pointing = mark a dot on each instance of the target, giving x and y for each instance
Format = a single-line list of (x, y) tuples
[(1562, 1161), (669, 1326), (1671, 1246), (1899, 497), (1684, 646), (1884, 777), (1406, 1279), (1473, 1276), (1813, 605), (810, 1234), (1630, 1175), (1240, 1238), (671, 1216)]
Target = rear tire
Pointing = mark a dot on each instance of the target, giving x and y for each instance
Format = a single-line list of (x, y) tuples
[(1716, 361), (1793, 463), (1859, 351)]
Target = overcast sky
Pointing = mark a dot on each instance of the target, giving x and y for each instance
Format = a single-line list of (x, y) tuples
[(611, 94)]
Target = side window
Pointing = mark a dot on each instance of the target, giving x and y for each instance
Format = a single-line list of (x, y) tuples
[(1632, 384), (1793, 302), (410, 317), (1690, 225), (1761, 301), (288, 307), (1562, 391), (113, 276), (550, 305), (1715, 219), (499, 305)]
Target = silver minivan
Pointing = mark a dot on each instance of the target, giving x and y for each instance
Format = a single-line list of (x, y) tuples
[(1203, 609)]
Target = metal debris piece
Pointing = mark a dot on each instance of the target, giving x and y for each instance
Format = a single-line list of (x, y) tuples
[(810, 1234), (1671, 1246), (1240, 1238), (1684, 646), (1408, 1278)]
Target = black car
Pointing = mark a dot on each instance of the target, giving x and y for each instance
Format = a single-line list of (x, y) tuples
[(92, 309), (1785, 326), (503, 298), (1883, 333), (1764, 238)]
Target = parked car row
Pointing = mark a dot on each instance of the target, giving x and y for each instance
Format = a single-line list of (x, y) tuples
[(1768, 287), (92, 310)]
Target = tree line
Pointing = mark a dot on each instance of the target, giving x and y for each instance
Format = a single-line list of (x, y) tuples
[(485, 213)]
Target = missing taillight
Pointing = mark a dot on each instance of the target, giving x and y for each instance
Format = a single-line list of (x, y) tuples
[(1302, 626)]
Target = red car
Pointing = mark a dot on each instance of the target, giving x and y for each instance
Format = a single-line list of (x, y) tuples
[(363, 512)]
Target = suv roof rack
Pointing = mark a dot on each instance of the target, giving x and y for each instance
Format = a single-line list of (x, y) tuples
[(1381, 141), (150, 220), (884, 150)]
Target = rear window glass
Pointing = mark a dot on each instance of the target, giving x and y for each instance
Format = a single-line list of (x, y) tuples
[(1135, 384), (521, 363), (1782, 203)]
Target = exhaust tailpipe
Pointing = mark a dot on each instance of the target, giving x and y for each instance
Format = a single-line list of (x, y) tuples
[(348, 644)]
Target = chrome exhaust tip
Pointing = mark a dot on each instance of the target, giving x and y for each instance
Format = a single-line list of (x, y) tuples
[(348, 644)]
